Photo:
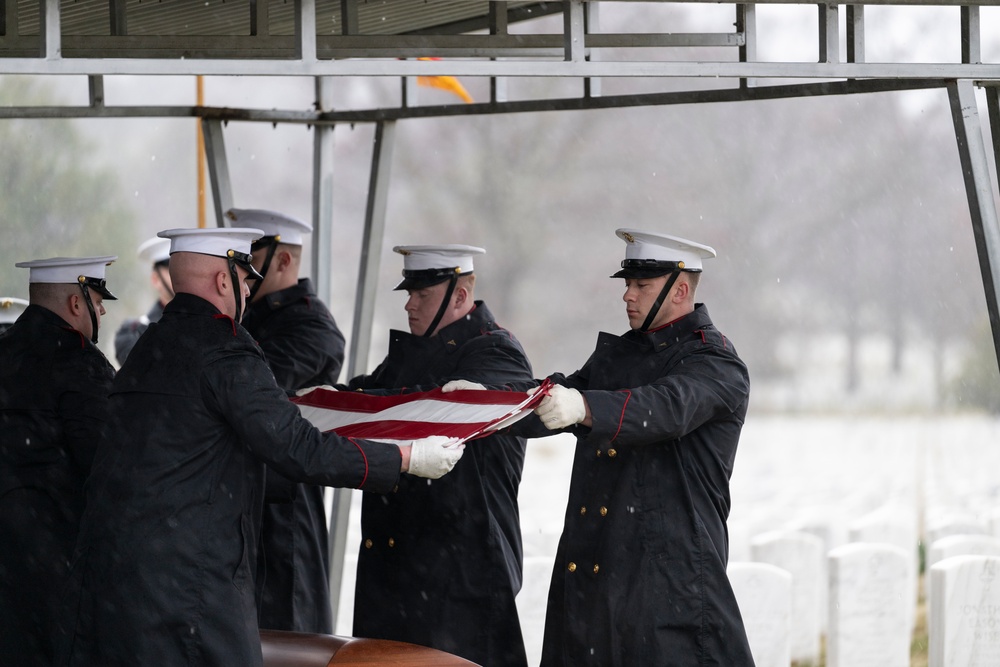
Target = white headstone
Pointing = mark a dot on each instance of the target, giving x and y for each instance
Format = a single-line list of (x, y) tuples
[(827, 523), (965, 623), (962, 545), (764, 593), (896, 525), (801, 554), (870, 623), (954, 522)]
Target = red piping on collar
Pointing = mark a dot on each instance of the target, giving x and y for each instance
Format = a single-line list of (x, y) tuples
[(664, 326), (83, 339), (223, 316)]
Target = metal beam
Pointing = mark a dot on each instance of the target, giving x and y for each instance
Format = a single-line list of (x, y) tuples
[(305, 30), (511, 68), (746, 25), (218, 169), (378, 192), (979, 190), (51, 30), (829, 34), (971, 35), (855, 33), (229, 114), (322, 276), (574, 41)]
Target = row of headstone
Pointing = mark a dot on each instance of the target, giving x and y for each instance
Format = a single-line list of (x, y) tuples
[(870, 602)]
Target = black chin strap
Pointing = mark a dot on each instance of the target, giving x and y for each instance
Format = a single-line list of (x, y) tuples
[(655, 308), (452, 281), (93, 313), (237, 289), (271, 248)]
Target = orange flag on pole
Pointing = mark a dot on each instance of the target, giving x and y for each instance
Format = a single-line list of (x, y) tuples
[(447, 83)]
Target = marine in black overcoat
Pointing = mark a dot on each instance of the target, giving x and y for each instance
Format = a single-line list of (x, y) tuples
[(304, 348), (640, 571), (130, 330), (165, 568), (440, 561), (54, 385)]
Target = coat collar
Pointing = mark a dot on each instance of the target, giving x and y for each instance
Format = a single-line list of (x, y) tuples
[(277, 300), (190, 305), (453, 336), (677, 330)]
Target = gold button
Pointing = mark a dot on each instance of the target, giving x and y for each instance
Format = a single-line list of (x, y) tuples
[(395, 489), (583, 511), (596, 568), (604, 511), (612, 453), (368, 544), (599, 452), (571, 567), (392, 542)]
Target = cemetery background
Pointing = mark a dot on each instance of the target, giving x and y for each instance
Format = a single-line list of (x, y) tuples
[(846, 274)]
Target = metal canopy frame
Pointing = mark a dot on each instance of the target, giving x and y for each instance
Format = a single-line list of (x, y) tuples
[(325, 39)]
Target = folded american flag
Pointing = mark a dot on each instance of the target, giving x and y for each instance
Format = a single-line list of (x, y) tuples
[(464, 414)]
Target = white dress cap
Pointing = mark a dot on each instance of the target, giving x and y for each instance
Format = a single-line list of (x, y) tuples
[(11, 308), (640, 245), (427, 265), (289, 230), (217, 241), (451, 256), (155, 250), (66, 269)]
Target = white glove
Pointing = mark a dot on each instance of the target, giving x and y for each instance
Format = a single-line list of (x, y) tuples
[(458, 385), (434, 456), (561, 408), (307, 390)]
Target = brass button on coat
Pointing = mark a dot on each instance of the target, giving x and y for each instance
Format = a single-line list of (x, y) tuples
[(604, 511), (612, 453), (571, 567), (583, 511), (599, 452), (368, 544), (392, 542), (596, 568)]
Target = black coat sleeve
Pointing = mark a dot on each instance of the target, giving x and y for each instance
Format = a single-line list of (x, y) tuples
[(242, 389)]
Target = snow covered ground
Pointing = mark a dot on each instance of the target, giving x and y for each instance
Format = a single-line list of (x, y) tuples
[(789, 470)]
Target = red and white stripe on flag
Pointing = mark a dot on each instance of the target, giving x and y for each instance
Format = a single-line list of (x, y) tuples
[(464, 414)]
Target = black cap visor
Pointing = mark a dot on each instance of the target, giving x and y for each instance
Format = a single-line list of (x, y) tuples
[(244, 260), (649, 268), (99, 285), (425, 278)]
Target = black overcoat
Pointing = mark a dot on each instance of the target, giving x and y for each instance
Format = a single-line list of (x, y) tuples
[(303, 347), (640, 571), (166, 563), (54, 387), (130, 330), (440, 561)]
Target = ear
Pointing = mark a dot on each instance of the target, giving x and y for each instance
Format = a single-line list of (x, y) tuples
[(284, 260), (461, 296), (75, 303), (681, 289), (222, 283)]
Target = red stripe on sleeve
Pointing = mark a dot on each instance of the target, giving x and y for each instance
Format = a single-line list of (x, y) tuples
[(365, 457), (621, 417)]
